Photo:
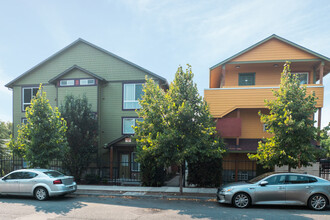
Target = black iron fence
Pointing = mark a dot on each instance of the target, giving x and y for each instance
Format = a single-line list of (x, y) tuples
[(325, 169), (238, 170), (118, 173)]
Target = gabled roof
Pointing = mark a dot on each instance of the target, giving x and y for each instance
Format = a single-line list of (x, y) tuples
[(79, 40), (72, 68), (116, 141), (274, 36)]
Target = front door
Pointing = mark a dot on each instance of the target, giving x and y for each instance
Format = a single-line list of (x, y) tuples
[(124, 168)]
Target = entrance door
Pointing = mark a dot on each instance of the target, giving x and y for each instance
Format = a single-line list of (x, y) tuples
[(124, 170)]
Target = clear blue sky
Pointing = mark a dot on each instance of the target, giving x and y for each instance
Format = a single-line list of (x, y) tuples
[(157, 35)]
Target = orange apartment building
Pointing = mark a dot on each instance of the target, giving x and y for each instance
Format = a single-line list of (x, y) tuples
[(240, 84)]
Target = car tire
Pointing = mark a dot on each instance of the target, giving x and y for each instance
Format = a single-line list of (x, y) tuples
[(241, 200), (41, 194), (318, 202)]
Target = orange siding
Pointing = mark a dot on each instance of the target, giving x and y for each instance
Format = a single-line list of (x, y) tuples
[(223, 101), (274, 50), (215, 77), (264, 74)]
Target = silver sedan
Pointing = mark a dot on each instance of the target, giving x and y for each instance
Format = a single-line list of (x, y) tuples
[(278, 189), (40, 183)]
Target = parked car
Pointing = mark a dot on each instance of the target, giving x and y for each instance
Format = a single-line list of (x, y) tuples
[(277, 189), (40, 183)]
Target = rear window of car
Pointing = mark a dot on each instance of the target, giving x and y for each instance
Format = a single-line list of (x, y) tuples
[(53, 174)]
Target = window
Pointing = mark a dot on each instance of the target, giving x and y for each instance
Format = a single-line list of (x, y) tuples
[(264, 127), (246, 79), (128, 124), (28, 95), (84, 82), (275, 180), (297, 179), (14, 176), (67, 82), (303, 77), (28, 175), (132, 92), (24, 120), (135, 165)]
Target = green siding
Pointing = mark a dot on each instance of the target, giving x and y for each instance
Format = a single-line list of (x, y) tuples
[(79, 91), (106, 98), (75, 73)]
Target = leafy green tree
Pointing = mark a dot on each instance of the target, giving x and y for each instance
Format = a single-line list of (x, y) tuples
[(292, 124), (42, 139), (5, 132), (177, 126), (325, 144), (81, 134)]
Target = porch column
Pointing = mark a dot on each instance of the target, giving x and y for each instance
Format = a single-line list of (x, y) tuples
[(319, 118), (238, 116), (223, 74), (321, 72), (111, 162)]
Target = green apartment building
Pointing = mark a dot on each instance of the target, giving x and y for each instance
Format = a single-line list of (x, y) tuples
[(112, 85)]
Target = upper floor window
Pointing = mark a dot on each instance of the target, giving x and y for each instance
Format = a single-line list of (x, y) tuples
[(132, 92), (246, 79), (84, 82), (24, 120), (28, 94), (67, 82), (129, 124), (303, 77)]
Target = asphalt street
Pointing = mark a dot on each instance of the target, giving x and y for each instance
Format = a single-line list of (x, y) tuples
[(109, 207)]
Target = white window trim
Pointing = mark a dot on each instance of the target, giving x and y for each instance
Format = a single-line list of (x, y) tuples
[(67, 80), (85, 82), (307, 73), (130, 101), (132, 162), (24, 119), (27, 103), (264, 127)]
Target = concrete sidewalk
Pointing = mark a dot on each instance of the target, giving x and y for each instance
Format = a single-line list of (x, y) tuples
[(164, 192), (163, 189)]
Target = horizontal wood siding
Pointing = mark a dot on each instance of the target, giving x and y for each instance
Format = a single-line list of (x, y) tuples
[(75, 73), (89, 91), (274, 50), (223, 101)]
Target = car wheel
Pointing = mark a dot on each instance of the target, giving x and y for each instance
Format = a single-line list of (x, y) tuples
[(241, 200), (317, 202), (41, 193)]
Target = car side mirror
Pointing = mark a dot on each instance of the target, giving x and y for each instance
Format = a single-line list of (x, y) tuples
[(263, 183)]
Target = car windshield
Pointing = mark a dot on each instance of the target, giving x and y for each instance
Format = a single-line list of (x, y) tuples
[(258, 178), (53, 174)]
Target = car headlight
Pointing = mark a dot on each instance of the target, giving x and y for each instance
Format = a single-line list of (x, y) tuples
[(227, 189)]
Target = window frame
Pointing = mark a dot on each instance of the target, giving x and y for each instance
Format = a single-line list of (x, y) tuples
[(122, 120), (24, 119), (123, 94), (247, 74), (87, 79), (23, 101), (301, 73), (133, 162), (67, 80)]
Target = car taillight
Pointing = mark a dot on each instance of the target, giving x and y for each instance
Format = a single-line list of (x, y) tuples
[(57, 182)]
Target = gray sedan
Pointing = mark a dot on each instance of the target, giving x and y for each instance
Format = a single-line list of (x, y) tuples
[(278, 189), (40, 183)]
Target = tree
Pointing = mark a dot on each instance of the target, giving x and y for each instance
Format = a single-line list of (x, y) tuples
[(177, 126), (5, 132), (81, 134), (42, 139), (325, 144), (292, 124)]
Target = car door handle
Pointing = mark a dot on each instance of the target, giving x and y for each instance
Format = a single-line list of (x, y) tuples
[(307, 187), (281, 187)]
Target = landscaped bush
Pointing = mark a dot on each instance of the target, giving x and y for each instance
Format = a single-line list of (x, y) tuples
[(151, 174), (205, 174)]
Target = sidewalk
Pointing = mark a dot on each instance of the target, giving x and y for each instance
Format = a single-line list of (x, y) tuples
[(163, 192)]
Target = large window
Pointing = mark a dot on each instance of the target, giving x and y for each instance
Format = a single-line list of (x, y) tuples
[(128, 124), (132, 92), (28, 94), (303, 77), (246, 79)]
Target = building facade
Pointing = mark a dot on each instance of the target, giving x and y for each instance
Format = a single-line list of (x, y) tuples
[(112, 86), (240, 84)]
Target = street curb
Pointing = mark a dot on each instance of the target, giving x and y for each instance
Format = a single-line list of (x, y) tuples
[(161, 196)]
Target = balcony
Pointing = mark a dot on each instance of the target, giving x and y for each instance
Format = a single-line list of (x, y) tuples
[(224, 100)]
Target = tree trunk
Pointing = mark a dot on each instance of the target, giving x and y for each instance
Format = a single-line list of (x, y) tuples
[(289, 168), (180, 179)]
